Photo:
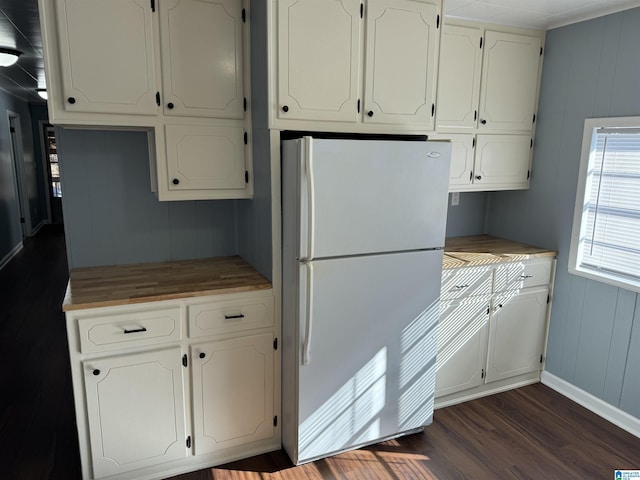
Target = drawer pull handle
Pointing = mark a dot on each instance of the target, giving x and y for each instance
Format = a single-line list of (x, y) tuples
[(460, 287), (526, 276), (231, 317), (135, 330)]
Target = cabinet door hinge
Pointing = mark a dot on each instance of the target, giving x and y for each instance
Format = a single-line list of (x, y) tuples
[(473, 143), (482, 373), (244, 104), (158, 98), (244, 15), (531, 146), (246, 138), (189, 441), (480, 42), (488, 310), (433, 109), (534, 118), (275, 343), (153, 5), (471, 175), (528, 174), (361, 10), (275, 421), (438, 21), (541, 50), (185, 362), (540, 358), (548, 298), (358, 105), (246, 176)]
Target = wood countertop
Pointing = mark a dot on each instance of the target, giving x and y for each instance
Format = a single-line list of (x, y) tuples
[(486, 250), (147, 282)]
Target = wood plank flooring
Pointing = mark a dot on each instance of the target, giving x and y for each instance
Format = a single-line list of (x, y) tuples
[(532, 433)]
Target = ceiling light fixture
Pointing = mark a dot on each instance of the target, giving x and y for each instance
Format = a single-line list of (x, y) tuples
[(8, 56), (42, 92)]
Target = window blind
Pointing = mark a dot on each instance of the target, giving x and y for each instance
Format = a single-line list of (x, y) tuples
[(610, 233)]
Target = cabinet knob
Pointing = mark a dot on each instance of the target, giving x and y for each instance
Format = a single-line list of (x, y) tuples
[(71, 100), (175, 181), (170, 106), (96, 372), (483, 121), (202, 355), (478, 177), (370, 113), (285, 108)]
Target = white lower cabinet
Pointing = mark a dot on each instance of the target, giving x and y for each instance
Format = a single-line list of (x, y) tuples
[(236, 377), (137, 410), (492, 342), (155, 396), (516, 339)]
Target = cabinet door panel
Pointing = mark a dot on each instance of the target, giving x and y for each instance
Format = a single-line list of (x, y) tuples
[(200, 157), (107, 56), (462, 344), (502, 161), (136, 410), (400, 62), (509, 81), (516, 336), (318, 59), (232, 392), (462, 156), (459, 77), (202, 52)]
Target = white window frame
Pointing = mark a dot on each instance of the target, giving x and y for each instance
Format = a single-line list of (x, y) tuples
[(591, 125)]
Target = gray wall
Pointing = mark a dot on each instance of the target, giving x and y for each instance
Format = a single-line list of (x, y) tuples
[(467, 218), (254, 217), (111, 216), (10, 231), (590, 69)]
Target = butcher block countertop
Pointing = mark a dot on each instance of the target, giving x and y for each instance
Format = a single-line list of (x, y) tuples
[(148, 282), (485, 250)]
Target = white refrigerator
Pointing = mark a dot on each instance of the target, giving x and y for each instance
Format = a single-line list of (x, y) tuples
[(363, 236)]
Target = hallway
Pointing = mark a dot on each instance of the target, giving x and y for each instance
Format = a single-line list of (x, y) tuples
[(37, 426)]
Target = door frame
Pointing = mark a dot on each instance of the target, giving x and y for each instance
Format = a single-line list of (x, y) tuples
[(46, 175), (17, 161)]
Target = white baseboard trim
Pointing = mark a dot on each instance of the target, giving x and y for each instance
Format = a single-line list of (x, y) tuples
[(607, 411), (7, 258)]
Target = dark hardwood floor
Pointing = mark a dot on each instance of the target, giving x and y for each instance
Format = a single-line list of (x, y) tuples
[(531, 433)]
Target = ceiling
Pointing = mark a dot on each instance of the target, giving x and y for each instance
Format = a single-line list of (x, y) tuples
[(19, 28), (540, 14)]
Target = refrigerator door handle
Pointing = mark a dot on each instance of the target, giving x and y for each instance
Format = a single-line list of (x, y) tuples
[(306, 346), (308, 145)]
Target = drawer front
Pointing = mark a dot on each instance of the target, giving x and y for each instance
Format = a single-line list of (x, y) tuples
[(465, 282), (129, 329), (228, 316), (514, 276)]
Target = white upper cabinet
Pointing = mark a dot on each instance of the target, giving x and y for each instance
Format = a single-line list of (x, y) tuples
[(502, 161), (107, 56), (202, 65), (319, 56), (402, 38), (459, 77), (510, 74), (354, 66)]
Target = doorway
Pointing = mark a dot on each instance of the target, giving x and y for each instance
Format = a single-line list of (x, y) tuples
[(54, 189), (15, 135)]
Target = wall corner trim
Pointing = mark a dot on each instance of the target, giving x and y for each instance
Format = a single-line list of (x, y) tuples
[(7, 258), (605, 410)]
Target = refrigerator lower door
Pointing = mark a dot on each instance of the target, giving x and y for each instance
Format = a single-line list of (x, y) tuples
[(367, 335), (367, 196)]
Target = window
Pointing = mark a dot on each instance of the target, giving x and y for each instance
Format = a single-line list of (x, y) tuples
[(605, 242)]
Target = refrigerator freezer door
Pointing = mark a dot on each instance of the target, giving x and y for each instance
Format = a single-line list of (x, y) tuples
[(370, 196), (369, 370)]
